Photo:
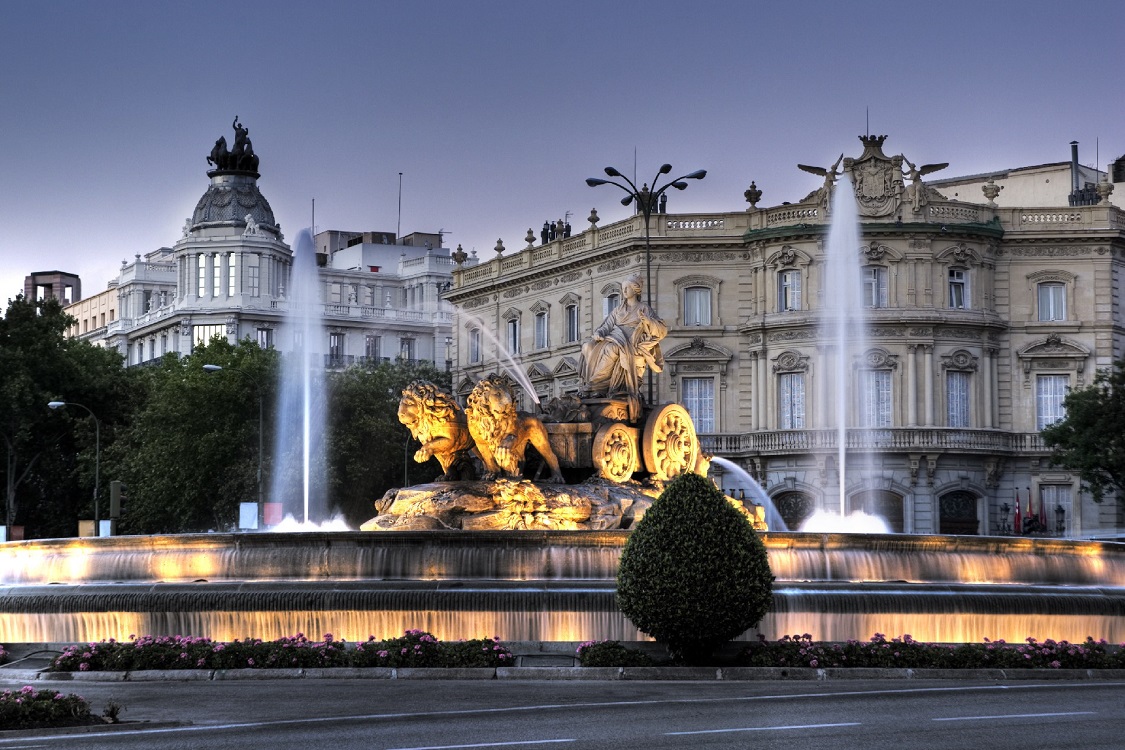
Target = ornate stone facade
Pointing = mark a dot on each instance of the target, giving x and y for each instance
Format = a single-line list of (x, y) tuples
[(987, 314)]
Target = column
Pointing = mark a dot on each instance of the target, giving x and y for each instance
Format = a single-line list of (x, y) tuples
[(912, 385), (929, 389), (755, 416), (821, 372), (986, 385)]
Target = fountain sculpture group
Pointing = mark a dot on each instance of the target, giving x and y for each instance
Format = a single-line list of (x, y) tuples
[(621, 449)]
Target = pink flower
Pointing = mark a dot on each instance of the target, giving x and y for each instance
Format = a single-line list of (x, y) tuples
[(83, 667), (813, 663)]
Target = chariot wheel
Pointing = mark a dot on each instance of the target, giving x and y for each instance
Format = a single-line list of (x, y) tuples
[(669, 442), (615, 453)]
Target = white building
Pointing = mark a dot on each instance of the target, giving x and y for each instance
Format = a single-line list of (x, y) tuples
[(228, 274)]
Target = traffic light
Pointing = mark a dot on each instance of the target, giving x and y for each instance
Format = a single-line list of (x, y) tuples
[(116, 497)]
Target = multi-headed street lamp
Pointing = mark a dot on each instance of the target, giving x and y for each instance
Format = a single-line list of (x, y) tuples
[(97, 453), (647, 200)]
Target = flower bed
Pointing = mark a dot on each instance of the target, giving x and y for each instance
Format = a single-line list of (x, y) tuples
[(415, 648), (29, 708), (803, 651)]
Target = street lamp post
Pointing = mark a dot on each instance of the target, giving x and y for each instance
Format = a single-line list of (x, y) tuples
[(258, 388), (97, 455), (647, 199)]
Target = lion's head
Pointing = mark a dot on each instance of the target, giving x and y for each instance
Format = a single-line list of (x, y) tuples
[(492, 406), (423, 405)]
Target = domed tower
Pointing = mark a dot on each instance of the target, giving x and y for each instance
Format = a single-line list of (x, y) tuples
[(232, 260)]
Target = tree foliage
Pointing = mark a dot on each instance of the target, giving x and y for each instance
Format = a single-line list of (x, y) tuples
[(369, 450), (1091, 438), (51, 457), (693, 573), (190, 455)]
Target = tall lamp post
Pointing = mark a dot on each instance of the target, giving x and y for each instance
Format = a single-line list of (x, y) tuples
[(647, 199), (97, 455), (258, 388)]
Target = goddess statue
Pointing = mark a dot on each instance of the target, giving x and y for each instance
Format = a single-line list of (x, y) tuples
[(624, 345)]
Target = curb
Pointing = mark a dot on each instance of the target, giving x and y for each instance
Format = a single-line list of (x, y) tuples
[(591, 674)]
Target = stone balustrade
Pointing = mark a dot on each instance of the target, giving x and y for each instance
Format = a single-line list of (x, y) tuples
[(900, 439)]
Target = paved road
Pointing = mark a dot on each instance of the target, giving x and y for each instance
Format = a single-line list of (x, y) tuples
[(510, 715)]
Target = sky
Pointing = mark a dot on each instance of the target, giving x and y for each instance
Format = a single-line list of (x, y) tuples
[(496, 112)]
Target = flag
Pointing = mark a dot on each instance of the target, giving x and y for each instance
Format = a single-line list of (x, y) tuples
[(1042, 511), (1029, 515), (1018, 526)]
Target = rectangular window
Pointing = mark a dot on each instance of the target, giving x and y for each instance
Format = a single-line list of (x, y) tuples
[(958, 288), (334, 295), (699, 400), (875, 398), (201, 260), (163, 344), (203, 334), (232, 274), (957, 398), (874, 286), (697, 306), (610, 303), (1050, 391), (789, 291), (253, 269), (514, 336), (406, 350), (1052, 302), (571, 323), (542, 340), (265, 338), (216, 274), (372, 345), (336, 347), (474, 345), (791, 391), (1053, 497)]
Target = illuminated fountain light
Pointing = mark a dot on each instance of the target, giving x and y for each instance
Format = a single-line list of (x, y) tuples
[(856, 522), (529, 586), (290, 524)]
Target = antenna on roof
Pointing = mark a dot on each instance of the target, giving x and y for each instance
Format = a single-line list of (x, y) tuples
[(868, 123)]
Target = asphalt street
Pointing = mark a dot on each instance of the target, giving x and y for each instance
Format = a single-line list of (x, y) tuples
[(618, 715)]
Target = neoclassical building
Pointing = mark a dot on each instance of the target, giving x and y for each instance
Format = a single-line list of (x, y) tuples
[(980, 317), (229, 272)]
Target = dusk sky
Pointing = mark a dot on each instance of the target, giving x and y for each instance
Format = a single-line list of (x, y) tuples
[(496, 112)]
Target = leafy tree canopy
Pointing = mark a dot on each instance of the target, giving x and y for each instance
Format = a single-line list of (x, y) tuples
[(1091, 438)]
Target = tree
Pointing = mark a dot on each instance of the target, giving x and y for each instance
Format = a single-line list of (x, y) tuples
[(190, 454), (693, 573), (1090, 439), (50, 457), (369, 450)]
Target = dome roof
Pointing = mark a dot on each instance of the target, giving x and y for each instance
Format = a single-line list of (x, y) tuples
[(229, 199)]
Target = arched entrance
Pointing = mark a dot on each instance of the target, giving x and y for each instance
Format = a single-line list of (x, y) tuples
[(957, 514), (880, 503), (794, 508)]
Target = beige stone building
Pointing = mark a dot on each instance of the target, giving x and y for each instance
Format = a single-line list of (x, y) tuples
[(980, 316)]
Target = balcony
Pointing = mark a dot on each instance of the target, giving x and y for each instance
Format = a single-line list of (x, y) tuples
[(897, 440)]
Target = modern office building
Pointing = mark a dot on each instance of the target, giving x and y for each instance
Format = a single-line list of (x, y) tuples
[(981, 313)]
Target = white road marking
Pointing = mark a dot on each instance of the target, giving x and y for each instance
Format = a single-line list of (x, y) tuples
[(483, 744), (1016, 716), (768, 729)]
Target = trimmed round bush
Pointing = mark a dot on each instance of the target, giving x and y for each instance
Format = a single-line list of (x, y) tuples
[(693, 573)]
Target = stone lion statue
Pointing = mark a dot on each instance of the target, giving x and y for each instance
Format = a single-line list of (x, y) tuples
[(438, 423), (502, 434)]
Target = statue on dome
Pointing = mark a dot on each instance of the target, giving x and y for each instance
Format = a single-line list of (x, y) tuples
[(622, 348), (239, 158)]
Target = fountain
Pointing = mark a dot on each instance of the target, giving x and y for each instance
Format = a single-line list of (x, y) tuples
[(514, 554), (301, 407)]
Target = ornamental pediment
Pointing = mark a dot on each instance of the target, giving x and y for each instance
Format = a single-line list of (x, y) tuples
[(1054, 346), (566, 366), (789, 256), (539, 371), (700, 350), (959, 253)]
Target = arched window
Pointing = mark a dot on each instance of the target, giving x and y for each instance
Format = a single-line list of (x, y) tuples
[(882, 503)]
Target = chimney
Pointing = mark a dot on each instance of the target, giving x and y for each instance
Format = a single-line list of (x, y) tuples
[(1074, 186)]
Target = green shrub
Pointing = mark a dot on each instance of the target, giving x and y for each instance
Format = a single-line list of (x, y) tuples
[(693, 573), (611, 654)]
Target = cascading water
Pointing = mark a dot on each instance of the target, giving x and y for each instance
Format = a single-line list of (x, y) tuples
[(844, 322), (298, 479)]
